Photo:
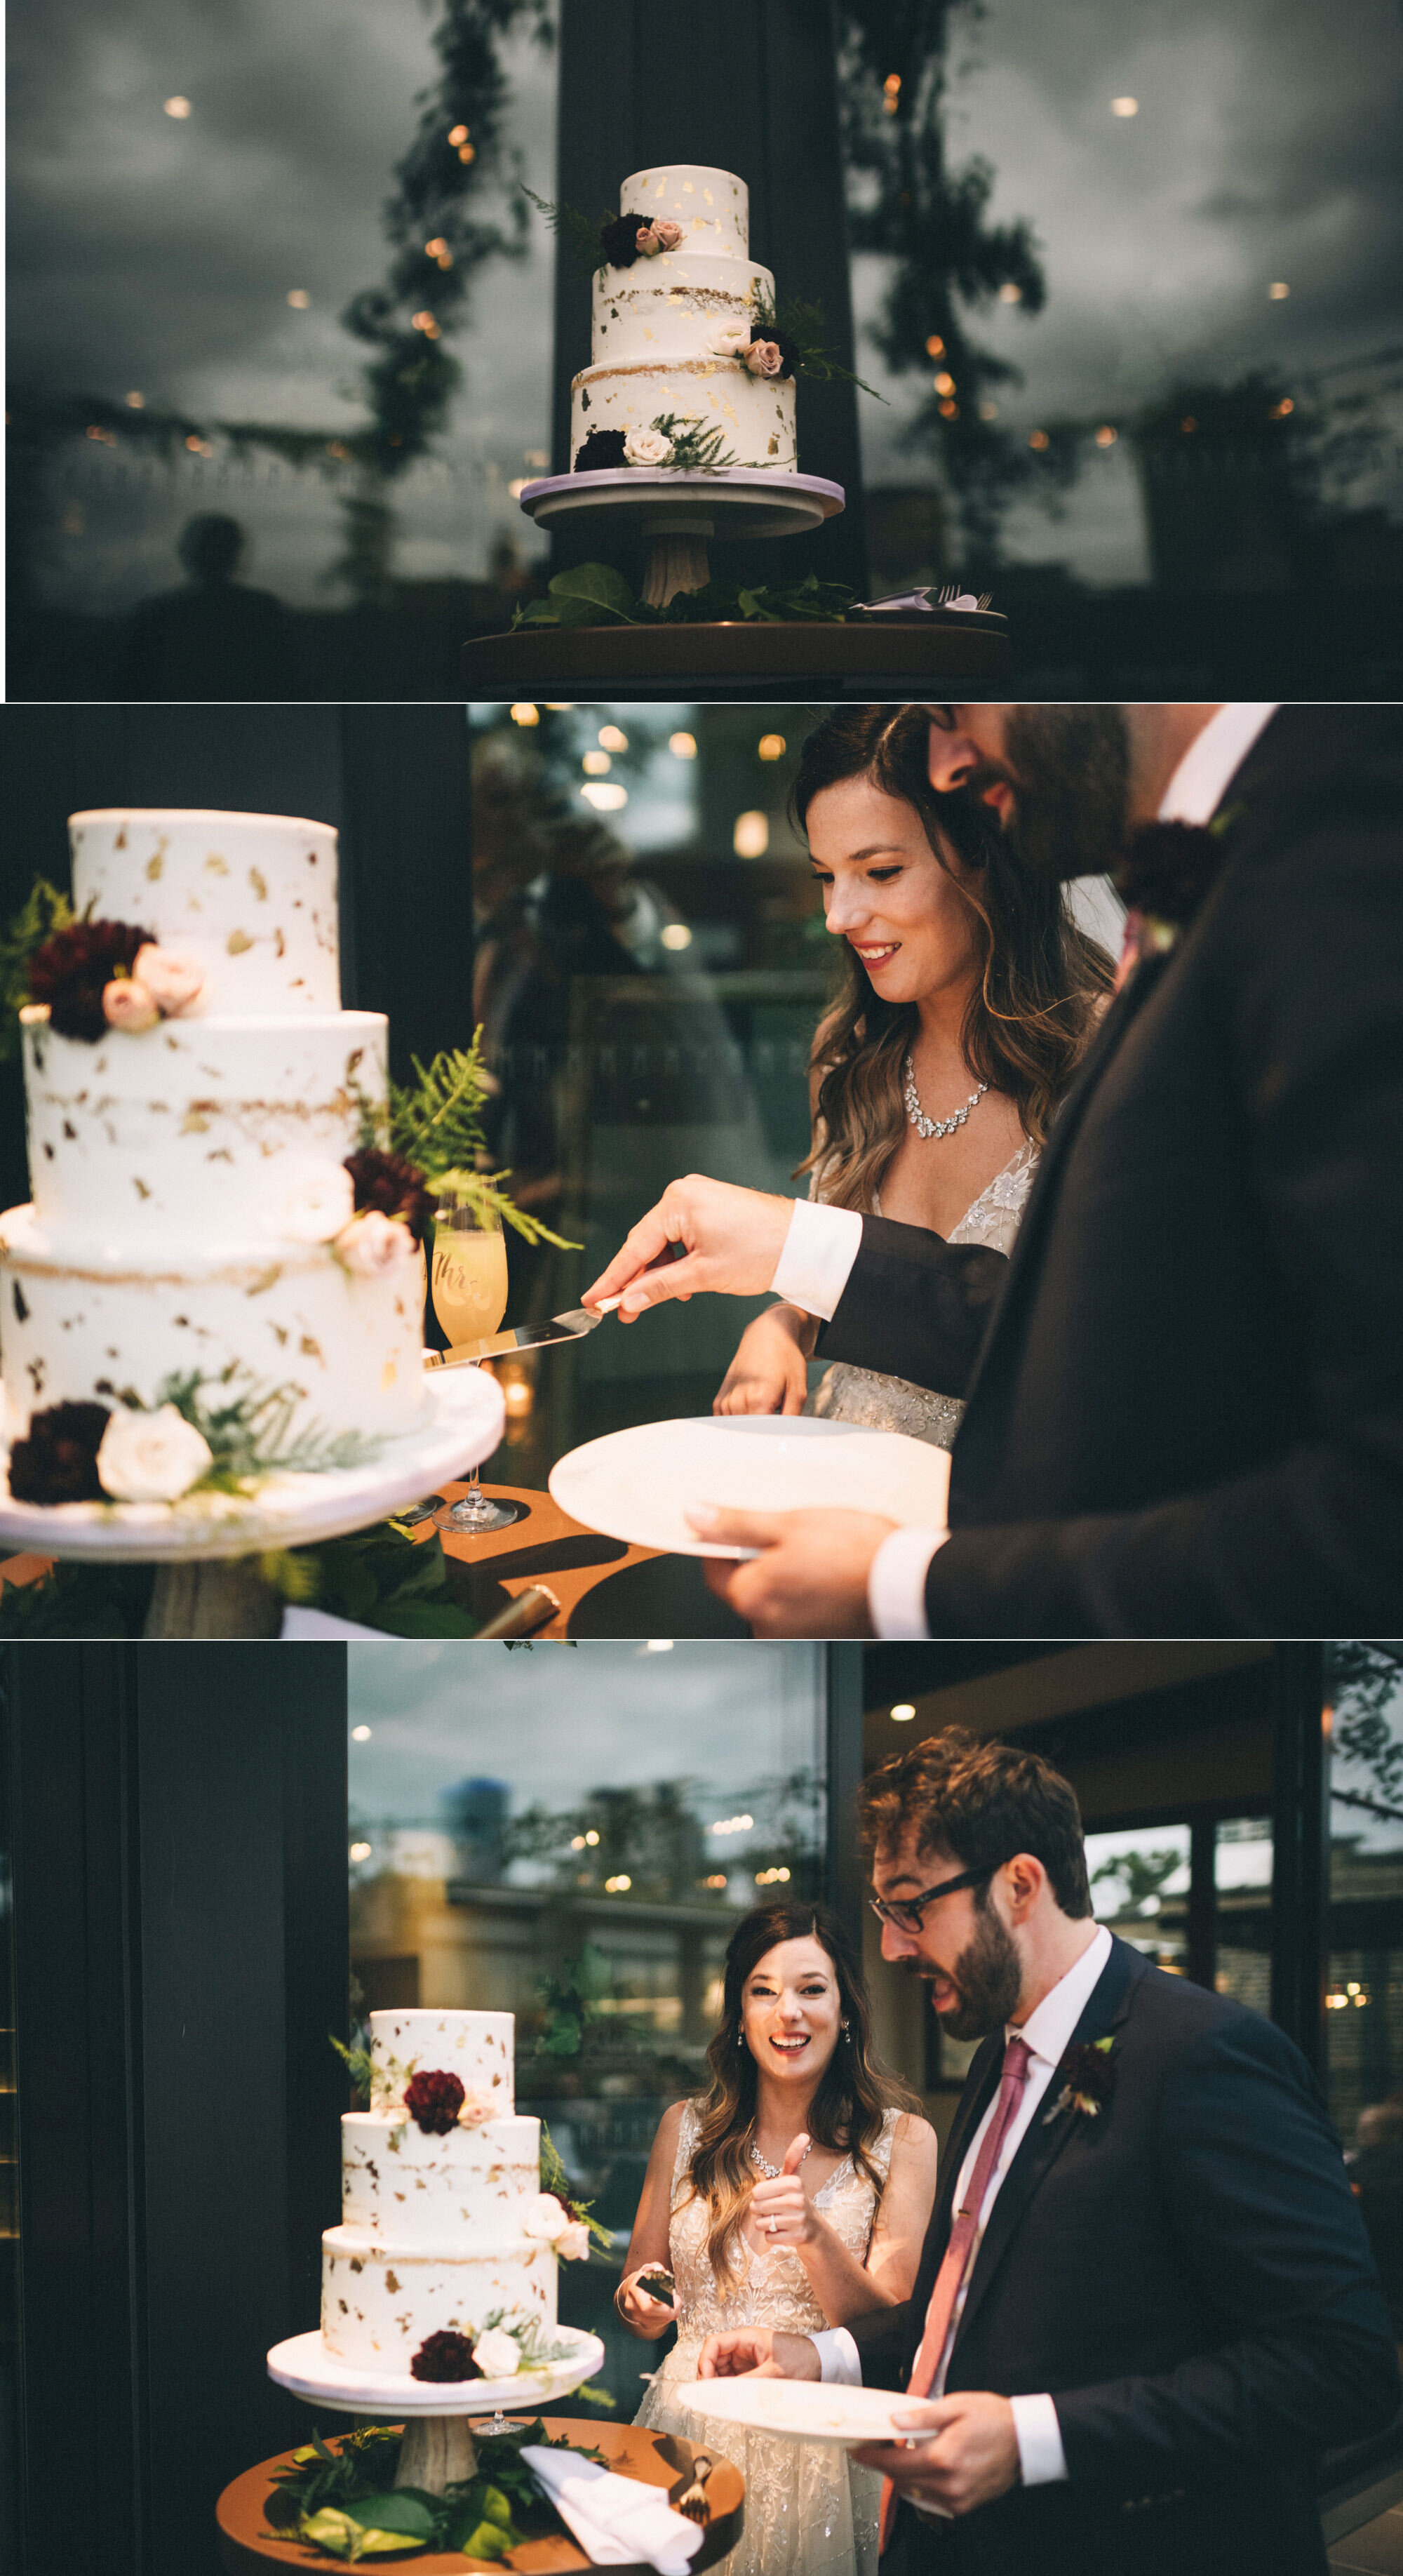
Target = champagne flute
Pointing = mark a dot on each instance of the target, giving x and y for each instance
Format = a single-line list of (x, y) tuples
[(468, 1283)]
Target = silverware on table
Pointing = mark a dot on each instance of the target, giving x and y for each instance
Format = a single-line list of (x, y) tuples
[(692, 2501)]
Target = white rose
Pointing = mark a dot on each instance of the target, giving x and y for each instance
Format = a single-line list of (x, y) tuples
[(321, 1203), (573, 2245), (372, 1244), (647, 447), (175, 984), (497, 2354), (544, 2216), (732, 339), (151, 1457)]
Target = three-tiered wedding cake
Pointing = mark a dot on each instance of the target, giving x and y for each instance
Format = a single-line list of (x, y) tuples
[(196, 1097), (445, 2226), (678, 327)]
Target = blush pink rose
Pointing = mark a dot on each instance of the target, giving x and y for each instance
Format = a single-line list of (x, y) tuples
[(649, 241), (763, 358), (174, 983), (373, 1244), (669, 234), (126, 1004)]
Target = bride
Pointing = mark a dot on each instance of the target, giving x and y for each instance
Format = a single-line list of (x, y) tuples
[(795, 2191), (968, 996)]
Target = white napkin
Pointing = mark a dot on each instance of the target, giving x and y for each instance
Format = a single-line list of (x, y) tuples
[(617, 2521)]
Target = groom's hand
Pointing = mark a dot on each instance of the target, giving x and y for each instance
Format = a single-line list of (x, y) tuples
[(810, 1579), (733, 1239), (972, 2459), (759, 2350)]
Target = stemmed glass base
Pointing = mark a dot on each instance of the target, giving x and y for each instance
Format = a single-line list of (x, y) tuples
[(476, 1514), (487, 2429)]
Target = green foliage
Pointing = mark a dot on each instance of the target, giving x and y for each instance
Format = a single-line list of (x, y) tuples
[(359, 2065), (804, 325), (344, 2502), (78, 1600), (250, 1434), (574, 231), (597, 595), (382, 1577), (555, 2178), (435, 1122), (695, 448), (1366, 1683), (43, 911), (1142, 1874)]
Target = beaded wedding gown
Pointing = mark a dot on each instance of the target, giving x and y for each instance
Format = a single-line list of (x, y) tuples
[(807, 2511), (846, 1394)]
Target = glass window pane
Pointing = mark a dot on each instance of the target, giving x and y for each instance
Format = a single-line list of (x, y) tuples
[(1140, 1886), (1242, 1877), (570, 1835), (1364, 1985)]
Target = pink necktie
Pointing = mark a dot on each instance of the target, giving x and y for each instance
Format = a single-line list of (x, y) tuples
[(950, 2277)]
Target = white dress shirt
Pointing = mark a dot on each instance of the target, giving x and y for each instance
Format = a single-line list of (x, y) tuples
[(1048, 2031), (822, 1243)]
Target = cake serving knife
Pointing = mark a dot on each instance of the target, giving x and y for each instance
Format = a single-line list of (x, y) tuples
[(572, 1326)]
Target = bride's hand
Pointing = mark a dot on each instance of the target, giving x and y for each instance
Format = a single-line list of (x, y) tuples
[(641, 2313), (762, 2350), (783, 2212), (769, 1373)]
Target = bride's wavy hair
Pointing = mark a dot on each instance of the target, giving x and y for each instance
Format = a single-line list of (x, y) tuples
[(854, 2091), (1040, 980)]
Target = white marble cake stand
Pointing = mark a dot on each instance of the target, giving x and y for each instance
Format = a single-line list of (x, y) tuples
[(463, 1423), (438, 2443), (679, 513)]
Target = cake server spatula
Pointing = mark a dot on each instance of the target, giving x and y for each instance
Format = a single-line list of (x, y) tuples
[(572, 1326)]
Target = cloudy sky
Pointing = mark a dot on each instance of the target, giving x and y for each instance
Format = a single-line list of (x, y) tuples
[(156, 254)]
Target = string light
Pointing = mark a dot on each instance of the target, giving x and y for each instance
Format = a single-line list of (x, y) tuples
[(949, 411), (1188, 426), (612, 738), (903, 1713), (683, 746), (360, 1735), (944, 384), (1106, 436), (1282, 410), (361, 1851), (1278, 293), (525, 715), (891, 92), (457, 134), (298, 298), (935, 346), (751, 837), (1125, 107), (733, 1825), (136, 402), (596, 764), (179, 108), (618, 1886), (1010, 294), (677, 935), (770, 1877), (604, 795), (988, 411), (1040, 440), (771, 746)]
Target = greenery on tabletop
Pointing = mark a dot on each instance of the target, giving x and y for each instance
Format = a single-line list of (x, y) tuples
[(380, 1576), (344, 2502), (596, 595)]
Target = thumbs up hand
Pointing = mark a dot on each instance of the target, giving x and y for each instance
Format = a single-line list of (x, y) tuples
[(781, 2212)]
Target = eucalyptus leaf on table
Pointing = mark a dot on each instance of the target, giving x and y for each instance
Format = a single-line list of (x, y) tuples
[(598, 595)]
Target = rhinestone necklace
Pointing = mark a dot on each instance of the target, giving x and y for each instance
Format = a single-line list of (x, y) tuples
[(935, 1126), (771, 2172)]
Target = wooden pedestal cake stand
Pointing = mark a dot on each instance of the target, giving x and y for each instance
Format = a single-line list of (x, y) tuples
[(439, 2448), (677, 515)]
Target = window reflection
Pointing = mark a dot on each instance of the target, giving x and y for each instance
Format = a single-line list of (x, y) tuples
[(570, 1835)]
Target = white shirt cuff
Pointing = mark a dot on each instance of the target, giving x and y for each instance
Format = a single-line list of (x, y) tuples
[(819, 1251), (896, 1582), (839, 2362), (1040, 2454)]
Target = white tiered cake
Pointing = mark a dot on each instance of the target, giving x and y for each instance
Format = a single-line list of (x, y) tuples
[(658, 324), (443, 2228), (192, 1214)]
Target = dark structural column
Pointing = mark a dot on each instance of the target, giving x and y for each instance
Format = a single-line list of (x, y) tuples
[(181, 1944), (748, 86), (845, 1876), (1301, 1854)]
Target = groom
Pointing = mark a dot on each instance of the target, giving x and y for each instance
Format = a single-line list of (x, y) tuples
[(1146, 2298), (1185, 1393)]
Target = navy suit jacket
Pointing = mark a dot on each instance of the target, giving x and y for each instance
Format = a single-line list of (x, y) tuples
[(1185, 1387), (1188, 2277)]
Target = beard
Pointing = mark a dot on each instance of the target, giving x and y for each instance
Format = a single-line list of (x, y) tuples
[(1069, 768), (988, 1979)]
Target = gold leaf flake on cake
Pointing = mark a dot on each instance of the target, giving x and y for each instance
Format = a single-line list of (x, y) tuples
[(311, 1349), (237, 942), (259, 884), (193, 1124), (140, 1188), (216, 866), (154, 867)]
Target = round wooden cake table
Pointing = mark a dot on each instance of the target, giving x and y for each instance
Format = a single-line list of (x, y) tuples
[(246, 2546), (743, 660)]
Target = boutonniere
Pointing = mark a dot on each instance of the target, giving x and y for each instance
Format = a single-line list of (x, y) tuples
[(1162, 877), (1090, 2081)]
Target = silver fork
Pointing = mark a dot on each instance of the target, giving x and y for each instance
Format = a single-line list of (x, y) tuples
[(986, 598), (692, 2500)]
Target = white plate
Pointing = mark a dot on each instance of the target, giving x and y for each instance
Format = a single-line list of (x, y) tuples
[(463, 1423), (304, 2365), (637, 1484), (796, 2406)]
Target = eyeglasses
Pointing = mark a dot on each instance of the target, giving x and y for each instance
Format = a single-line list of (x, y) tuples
[(906, 1911)]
